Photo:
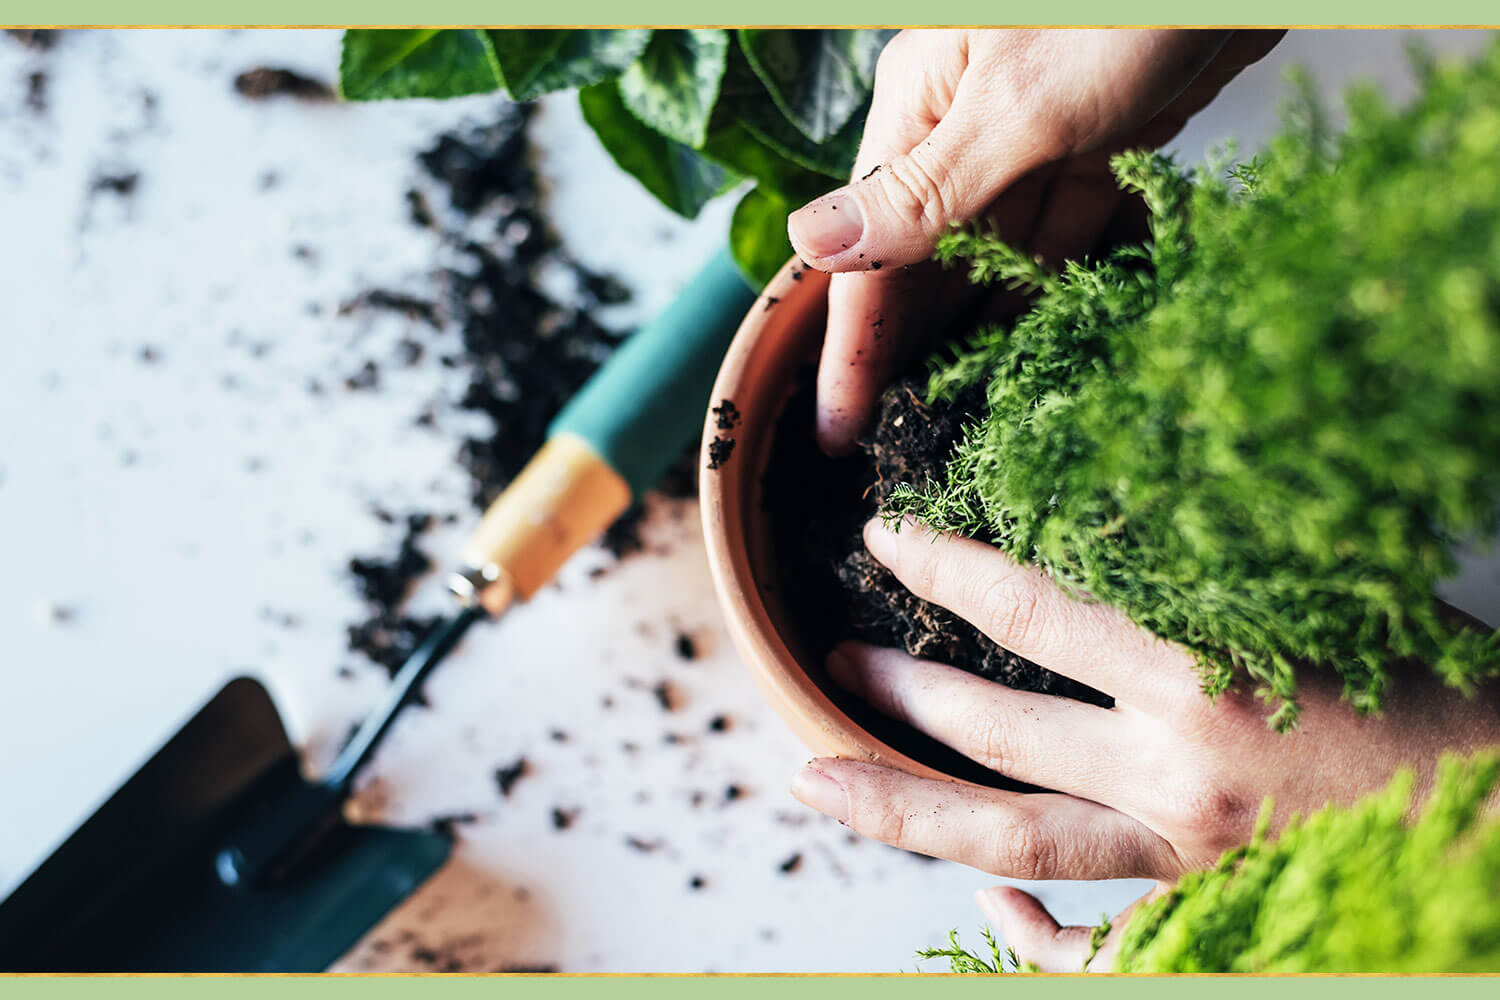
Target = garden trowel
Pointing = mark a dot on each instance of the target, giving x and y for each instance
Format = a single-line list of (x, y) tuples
[(218, 854)]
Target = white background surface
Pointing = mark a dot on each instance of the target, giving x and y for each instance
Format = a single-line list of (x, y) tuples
[(169, 511)]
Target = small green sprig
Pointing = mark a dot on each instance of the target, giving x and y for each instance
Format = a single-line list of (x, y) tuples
[(963, 962)]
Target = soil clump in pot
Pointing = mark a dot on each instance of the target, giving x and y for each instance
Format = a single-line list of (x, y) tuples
[(832, 589)]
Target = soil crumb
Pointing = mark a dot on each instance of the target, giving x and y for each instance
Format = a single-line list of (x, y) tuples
[(121, 185), (507, 776), (381, 299), (36, 92), (273, 81), (665, 695)]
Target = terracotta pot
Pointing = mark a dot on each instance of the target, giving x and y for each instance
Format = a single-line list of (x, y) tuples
[(780, 335)]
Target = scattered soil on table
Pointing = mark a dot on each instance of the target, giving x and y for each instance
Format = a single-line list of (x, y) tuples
[(40, 39), (122, 185), (275, 81), (36, 92), (832, 589), (525, 352), (387, 635)]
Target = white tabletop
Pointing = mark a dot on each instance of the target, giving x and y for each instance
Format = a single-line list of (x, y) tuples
[(174, 512)]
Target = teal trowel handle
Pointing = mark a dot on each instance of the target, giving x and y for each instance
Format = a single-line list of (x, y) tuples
[(610, 444), (647, 402)]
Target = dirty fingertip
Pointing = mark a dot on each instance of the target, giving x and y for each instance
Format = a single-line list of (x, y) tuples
[(826, 227), (880, 538), (814, 787), (835, 431)]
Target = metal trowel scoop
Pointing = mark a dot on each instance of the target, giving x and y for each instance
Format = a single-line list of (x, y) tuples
[(218, 855)]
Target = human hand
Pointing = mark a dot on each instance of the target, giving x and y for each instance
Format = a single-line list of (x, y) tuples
[(1160, 784), (1014, 127)]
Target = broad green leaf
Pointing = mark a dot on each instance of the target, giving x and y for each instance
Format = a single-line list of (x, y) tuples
[(679, 178), (834, 158), (673, 86), (757, 236), (733, 146), (424, 62), (538, 61), (744, 99), (818, 78)]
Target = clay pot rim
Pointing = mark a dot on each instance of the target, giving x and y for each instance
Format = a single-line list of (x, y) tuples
[(768, 340)]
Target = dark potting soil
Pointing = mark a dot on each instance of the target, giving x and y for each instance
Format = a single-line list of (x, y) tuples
[(832, 589), (40, 39), (525, 352), (272, 81)]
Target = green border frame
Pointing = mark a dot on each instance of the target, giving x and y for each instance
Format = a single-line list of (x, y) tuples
[(673, 13), (339, 13)]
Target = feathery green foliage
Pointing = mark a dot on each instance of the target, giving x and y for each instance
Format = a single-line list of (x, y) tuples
[(1261, 433), (1358, 889), (963, 962), (1348, 890)]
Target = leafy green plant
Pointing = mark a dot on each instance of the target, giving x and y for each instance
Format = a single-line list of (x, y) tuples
[(690, 113), (1348, 890), (1357, 889), (1261, 433)]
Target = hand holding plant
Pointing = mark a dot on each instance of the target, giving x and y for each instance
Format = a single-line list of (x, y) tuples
[(1227, 467), (1154, 787), (1012, 127)]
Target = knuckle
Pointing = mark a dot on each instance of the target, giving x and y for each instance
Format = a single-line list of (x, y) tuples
[(1009, 609), (994, 740), (1020, 849), (888, 825), (920, 190)]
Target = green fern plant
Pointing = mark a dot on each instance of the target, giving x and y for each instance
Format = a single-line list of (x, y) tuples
[(1262, 433)]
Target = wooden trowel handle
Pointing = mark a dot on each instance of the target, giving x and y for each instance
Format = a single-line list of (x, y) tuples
[(610, 444)]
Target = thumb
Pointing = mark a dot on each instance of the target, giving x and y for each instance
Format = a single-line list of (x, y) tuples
[(893, 215), (1032, 933)]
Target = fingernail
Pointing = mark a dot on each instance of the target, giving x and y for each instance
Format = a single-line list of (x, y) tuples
[(841, 668), (880, 540), (828, 226), (813, 788)]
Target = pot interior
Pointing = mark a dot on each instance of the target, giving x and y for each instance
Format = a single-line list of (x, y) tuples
[(774, 372)]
